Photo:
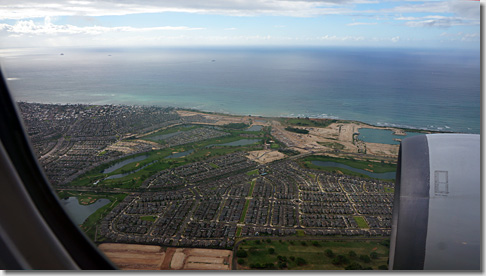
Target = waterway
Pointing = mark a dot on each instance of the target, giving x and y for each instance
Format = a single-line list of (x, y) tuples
[(120, 175), (387, 175), (242, 142), (124, 162), (79, 213), (382, 136)]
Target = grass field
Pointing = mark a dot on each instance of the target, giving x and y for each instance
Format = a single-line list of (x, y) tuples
[(149, 218), (254, 172), (312, 255), (361, 222), (250, 193), (243, 214)]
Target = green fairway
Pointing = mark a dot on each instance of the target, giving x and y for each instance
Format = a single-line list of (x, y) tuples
[(133, 174), (312, 255), (254, 172)]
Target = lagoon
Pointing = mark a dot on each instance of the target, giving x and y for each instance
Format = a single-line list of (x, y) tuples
[(382, 136), (79, 213), (124, 162)]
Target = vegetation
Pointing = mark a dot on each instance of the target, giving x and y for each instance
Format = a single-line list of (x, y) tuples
[(288, 151), (250, 193), (156, 161), (245, 209), (326, 255), (254, 172), (149, 218), (361, 222), (236, 126), (241, 253), (333, 145), (297, 130), (309, 122)]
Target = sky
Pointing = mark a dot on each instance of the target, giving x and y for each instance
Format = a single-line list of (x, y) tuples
[(142, 23)]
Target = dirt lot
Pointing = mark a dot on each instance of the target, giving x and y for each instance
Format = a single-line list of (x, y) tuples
[(265, 156), (152, 257), (134, 256)]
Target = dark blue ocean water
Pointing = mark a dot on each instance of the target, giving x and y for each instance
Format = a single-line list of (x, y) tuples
[(437, 90)]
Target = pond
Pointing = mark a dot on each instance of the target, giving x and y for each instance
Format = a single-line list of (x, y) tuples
[(79, 213), (124, 162), (242, 142), (254, 128), (387, 175), (382, 136), (179, 154)]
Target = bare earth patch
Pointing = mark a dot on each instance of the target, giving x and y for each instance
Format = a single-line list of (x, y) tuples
[(265, 156), (152, 257), (134, 256), (178, 259)]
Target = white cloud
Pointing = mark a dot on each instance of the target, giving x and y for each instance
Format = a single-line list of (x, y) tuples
[(442, 22), (464, 13), (341, 38), (22, 9), (427, 7), (29, 27)]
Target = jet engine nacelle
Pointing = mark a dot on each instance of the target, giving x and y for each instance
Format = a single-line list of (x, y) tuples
[(436, 221)]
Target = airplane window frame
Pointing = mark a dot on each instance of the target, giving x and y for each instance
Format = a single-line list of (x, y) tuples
[(18, 151)]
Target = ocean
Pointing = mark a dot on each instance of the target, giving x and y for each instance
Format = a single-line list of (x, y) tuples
[(414, 88)]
